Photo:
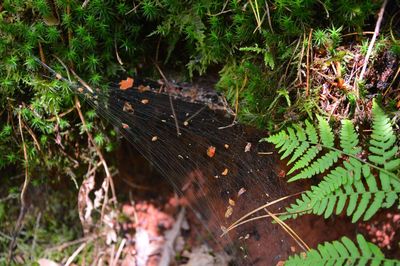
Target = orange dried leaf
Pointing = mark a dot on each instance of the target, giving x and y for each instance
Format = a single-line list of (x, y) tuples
[(126, 84), (281, 173), (211, 151)]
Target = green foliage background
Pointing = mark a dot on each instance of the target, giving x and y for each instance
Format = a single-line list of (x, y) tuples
[(257, 65), (200, 34)]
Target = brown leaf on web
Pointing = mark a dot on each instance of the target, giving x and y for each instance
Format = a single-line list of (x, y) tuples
[(248, 147), (126, 84), (128, 107), (225, 172), (143, 88), (241, 191), (228, 212), (231, 202)]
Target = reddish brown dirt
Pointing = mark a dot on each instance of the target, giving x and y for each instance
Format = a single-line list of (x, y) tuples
[(259, 242)]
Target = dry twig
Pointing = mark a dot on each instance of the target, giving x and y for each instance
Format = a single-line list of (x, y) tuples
[(109, 182), (24, 204), (371, 44), (308, 63)]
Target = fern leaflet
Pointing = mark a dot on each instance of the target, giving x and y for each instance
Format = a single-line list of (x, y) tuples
[(343, 252), (364, 185)]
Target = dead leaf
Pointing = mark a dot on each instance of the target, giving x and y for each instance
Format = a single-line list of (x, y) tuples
[(228, 212), (224, 229), (231, 202), (46, 262), (225, 172), (248, 147), (127, 107), (211, 151), (126, 84), (281, 173), (145, 101), (241, 191), (51, 20), (85, 205), (142, 88)]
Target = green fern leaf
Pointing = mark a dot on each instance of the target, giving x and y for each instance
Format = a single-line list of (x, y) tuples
[(318, 166), (361, 202), (304, 160), (311, 132), (343, 252), (349, 138), (325, 132), (352, 185)]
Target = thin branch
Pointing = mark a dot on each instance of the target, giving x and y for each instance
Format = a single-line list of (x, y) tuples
[(308, 63), (371, 44), (24, 204), (178, 132), (102, 160)]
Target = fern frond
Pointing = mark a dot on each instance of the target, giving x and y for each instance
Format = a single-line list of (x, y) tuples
[(363, 200), (357, 186), (343, 252)]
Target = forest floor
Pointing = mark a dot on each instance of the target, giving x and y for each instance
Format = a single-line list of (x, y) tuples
[(151, 225)]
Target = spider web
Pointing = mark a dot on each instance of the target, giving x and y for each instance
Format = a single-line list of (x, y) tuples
[(208, 159), (188, 135)]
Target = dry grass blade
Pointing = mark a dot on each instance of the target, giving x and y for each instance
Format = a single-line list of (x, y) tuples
[(233, 225), (76, 252), (290, 231), (24, 204)]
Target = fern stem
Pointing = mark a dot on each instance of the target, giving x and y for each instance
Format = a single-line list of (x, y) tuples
[(357, 158)]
